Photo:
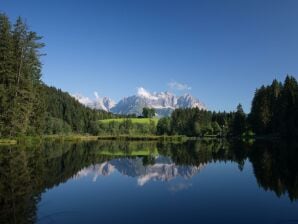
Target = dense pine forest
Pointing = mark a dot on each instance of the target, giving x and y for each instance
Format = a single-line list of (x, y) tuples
[(275, 109), (30, 107), (195, 122), (274, 113)]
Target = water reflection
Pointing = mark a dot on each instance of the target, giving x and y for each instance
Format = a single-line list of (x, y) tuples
[(28, 171), (163, 169)]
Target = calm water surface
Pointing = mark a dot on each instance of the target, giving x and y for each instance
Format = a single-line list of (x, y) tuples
[(147, 182)]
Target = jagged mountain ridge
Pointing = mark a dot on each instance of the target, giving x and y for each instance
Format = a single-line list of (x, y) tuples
[(104, 103), (163, 102)]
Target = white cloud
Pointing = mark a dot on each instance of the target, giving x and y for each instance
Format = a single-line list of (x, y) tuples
[(96, 95), (178, 86), (144, 93)]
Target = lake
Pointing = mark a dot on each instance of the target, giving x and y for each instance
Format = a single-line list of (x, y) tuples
[(149, 182)]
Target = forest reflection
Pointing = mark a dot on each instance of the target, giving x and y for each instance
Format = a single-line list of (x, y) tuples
[(27, 171)]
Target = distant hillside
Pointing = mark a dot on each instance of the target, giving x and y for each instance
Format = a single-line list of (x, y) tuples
[(62, 111)]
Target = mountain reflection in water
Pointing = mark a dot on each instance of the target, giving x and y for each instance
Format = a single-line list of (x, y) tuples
[(163, 170), (26, 172)]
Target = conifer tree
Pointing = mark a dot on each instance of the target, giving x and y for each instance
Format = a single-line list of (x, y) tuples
[(6, 72)]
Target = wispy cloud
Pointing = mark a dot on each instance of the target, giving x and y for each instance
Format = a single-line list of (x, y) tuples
[(96, 94), (178, 86)]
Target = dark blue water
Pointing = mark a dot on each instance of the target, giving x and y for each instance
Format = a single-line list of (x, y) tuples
[(133, 182)]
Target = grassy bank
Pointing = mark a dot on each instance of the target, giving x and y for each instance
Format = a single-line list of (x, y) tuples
[(77, 137), (37, 139), (8, 141), (125, 137), (117, 137), (144, 137)]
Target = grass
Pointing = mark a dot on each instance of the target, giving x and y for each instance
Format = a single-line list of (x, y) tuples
[(143, 152), (76, 137), (71, 137), (8, 141), (133, 120), (38, 139)]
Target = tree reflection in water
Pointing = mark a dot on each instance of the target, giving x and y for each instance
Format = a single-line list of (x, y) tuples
[(27, 171)]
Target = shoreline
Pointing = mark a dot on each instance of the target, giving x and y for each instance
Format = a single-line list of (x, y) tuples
[(82, 137), (36, 139)]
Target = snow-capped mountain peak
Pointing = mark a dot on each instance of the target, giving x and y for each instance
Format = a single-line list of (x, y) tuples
[(163, 102), (99, 103), (108, 103), (188, 101)]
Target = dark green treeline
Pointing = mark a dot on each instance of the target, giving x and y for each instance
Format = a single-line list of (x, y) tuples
[(275, 109), (274, 113), (64, 114), (202, 123), (27, 106)]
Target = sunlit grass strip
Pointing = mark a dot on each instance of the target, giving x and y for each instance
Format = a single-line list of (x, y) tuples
[(71, 137), (8, 141), (77, 137), (133, 120)]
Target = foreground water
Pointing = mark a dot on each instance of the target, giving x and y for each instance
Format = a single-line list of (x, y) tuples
[(145, 182)]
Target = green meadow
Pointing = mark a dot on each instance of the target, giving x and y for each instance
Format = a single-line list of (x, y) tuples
[(133, 120)]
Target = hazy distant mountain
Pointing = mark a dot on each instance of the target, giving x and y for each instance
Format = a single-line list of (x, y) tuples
[(164, 102), (104, 103)]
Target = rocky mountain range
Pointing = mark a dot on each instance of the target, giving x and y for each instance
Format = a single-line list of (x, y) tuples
[(163, 102)]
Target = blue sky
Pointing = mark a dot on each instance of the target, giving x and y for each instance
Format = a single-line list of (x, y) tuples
[(220, 50)]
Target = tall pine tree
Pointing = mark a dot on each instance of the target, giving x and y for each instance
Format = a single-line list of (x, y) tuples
[(6, 73)]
